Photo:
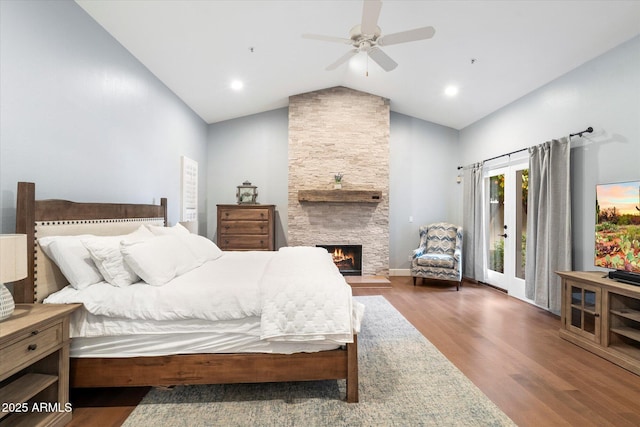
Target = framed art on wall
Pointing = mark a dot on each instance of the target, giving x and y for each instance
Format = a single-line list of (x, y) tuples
[(189, 193)]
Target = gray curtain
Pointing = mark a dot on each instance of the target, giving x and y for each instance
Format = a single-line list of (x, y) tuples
[(548, 222), (473, 246)]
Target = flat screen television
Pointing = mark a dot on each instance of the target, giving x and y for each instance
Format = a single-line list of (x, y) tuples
[(618, 230)]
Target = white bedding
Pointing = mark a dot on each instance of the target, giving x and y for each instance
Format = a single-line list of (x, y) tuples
[(305, 298), (223, 289), (297, 292), (152, 338)]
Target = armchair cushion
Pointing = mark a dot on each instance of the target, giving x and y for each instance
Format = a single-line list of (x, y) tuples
[(436, 260), (441, 238)]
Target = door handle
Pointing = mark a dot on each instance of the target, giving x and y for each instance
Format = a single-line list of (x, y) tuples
[(503, 235)]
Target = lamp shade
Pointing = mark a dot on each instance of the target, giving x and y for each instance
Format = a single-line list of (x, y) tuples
[(13, 266), (13, 257)]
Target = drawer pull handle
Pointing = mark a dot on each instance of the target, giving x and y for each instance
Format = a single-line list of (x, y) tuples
[(32, 347), (226, 241), (226, 214), (36, 332), (226, 227)]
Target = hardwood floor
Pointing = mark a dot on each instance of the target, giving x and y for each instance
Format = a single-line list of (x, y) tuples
[(510, 349)]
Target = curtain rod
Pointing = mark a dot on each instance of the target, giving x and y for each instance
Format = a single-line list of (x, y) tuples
[(587, 130)]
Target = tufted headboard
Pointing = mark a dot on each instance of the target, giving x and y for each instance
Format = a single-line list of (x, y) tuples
[(39, 218)]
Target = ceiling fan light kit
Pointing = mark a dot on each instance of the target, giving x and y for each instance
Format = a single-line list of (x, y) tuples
[(367, 37)]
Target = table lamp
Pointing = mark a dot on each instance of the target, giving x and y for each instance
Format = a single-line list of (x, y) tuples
[(13, 267)]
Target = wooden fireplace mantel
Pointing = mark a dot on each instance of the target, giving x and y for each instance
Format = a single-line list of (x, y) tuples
[(340, 196)]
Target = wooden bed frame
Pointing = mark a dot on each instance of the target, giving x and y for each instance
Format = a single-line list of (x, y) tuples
[(178, 369)]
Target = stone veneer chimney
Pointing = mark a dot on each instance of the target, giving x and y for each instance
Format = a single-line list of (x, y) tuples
[(340, 130)]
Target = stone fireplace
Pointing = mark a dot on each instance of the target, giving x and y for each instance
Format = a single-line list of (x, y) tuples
[(331, 131)]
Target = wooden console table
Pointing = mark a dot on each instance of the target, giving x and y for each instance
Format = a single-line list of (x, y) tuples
[(602, 316)]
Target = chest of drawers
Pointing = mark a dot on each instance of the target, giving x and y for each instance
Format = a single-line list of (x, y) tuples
[(246, 227)]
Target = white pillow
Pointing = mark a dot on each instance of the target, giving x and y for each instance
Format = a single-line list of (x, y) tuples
[(72, 258), (105, 252), (203, 248), (176, 230), (160, 259)]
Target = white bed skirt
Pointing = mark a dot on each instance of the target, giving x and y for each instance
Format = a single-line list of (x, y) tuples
[(193, 343), (176, 337)]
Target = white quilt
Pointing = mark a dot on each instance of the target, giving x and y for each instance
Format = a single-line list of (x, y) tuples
[(297, 291), (305, 298)]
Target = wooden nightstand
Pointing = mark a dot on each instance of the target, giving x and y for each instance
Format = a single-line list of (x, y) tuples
[(34, 365)]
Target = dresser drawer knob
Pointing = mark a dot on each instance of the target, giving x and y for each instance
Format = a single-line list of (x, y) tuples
[(32, 347), (36, 332)]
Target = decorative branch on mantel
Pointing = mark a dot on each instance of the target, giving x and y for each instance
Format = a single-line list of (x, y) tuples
[(340, 196)]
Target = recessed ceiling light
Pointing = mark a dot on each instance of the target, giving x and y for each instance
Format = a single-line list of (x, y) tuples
[(237, 85), (451, 90)]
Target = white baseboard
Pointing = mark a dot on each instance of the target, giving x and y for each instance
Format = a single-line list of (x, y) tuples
[(399, 272)]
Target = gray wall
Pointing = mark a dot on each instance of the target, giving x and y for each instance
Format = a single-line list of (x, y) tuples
[(253, 148), (423, 160), (82, 118), (603, 93)]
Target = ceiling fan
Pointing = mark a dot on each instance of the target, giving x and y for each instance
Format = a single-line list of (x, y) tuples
[(367, 37)]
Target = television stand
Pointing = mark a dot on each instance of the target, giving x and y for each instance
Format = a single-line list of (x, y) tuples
[(603, 316), (625, 277)]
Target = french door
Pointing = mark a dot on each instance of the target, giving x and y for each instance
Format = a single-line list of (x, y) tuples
[(505, 193)]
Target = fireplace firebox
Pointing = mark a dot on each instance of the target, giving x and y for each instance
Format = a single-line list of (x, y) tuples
[(348, 258)]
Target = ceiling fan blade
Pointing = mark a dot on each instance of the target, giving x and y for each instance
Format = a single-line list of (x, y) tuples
[(370, 15), (327, 38), (407, 36), (344, 58), (382, 59)]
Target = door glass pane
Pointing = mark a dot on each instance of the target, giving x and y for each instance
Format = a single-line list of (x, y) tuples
[(576, 296), (576, 317), (496, 223), (589, 300), (589, 323), (520, 234)]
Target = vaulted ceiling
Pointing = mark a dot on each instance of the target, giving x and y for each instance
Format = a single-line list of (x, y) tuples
[(493, 51)]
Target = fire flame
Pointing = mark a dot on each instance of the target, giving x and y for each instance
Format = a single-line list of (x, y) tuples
[(338, 255)]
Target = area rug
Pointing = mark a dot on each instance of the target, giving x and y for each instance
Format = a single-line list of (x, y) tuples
[(404, 381)]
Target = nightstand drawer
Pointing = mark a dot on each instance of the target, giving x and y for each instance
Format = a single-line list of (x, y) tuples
[(30, 346), (244, 227), (253, 214)]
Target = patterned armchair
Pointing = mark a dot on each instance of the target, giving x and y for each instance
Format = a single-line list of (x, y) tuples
[(440, 253)]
